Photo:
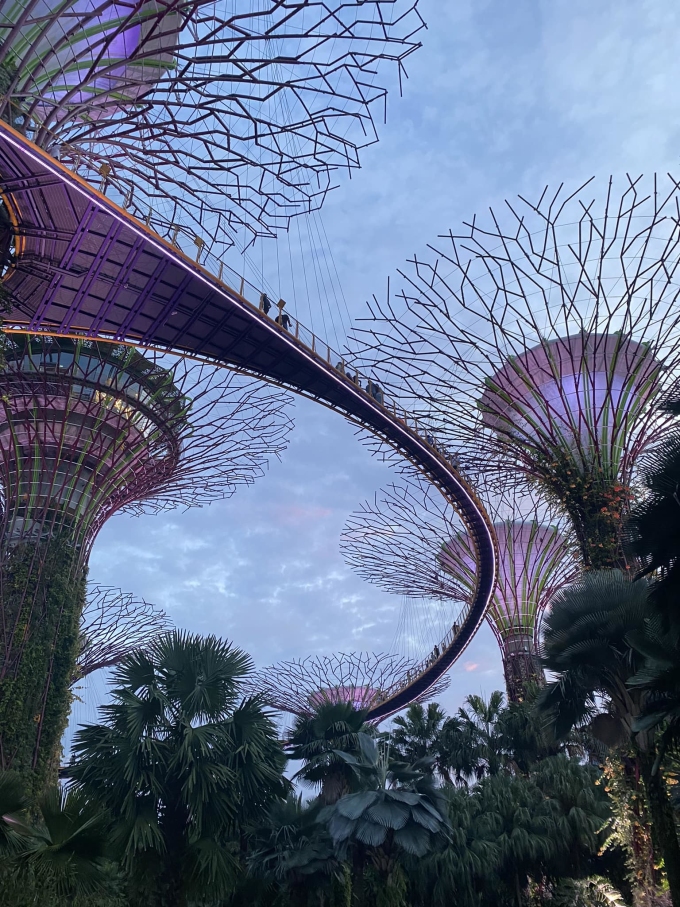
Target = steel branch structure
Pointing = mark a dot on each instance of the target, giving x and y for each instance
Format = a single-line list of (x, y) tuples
[(364, 680), (549, 335), (88, 429), (408, 542), (112, 625), (105, 275), (207, 117)]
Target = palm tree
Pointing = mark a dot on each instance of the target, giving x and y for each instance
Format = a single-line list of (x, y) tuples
[(70, 853), (579, 811), (514, 814), (587, 644), (293, 851), (472, 740), (510, 830), (13, 805), (182, 764), (417, 733), (320, 740), (397, 808), (454, 874), (653, 530), (62, 857), (521, 735)]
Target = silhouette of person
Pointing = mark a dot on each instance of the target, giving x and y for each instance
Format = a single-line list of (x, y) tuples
[(282, 318)]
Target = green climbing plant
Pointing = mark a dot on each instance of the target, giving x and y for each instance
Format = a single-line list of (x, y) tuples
[(596, 503), (43, 594)]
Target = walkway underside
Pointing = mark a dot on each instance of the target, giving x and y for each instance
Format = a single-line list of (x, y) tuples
[(86, 267)]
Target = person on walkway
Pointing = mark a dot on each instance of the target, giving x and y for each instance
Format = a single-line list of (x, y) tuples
[(265, 304), (375, 392), (282, 318)]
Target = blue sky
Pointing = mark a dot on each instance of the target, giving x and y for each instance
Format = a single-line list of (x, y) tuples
[(502, 99)]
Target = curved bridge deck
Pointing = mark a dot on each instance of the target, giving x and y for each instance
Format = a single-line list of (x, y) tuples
[(85, 267)]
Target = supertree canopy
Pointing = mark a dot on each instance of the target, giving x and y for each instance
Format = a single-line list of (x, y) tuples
[(299, 687), (113, 624), (86, 430), (548, 336), (92, 428), (534, 562), (204, 116), (409, 542)]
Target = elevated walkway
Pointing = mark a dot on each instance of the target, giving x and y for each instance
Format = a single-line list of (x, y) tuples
[(86, 268)]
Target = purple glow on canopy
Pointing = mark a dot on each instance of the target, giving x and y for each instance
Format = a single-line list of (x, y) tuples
[(582, 395), (534, 562), (115, 54)]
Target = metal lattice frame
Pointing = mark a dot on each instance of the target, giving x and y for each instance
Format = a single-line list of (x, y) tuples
[(114, 624), (206, 120), (549, 336), (89, 429), (408, 542), (364, 679)]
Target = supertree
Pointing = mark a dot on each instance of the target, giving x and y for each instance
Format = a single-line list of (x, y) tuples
[(206, 118), (360, 678), (112, 625), (88, 430), (410, 542), (549, 337)]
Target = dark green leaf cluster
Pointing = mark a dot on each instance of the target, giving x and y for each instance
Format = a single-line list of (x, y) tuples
[(43, 595), (616, 675), (514, 832), (322, 741), (653, 532), (397, 806), (478, 809), (177, 798), (184, 766), (55, 850)]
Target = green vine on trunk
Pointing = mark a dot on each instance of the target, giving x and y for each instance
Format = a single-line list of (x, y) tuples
[(596, 503), (43, 594)]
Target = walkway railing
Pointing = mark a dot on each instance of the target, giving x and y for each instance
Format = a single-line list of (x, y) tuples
[(317, 347)]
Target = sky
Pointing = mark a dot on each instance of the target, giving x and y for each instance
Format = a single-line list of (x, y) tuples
[(502, 99)]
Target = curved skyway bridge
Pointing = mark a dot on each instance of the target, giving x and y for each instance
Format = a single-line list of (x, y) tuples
[(84, 267)]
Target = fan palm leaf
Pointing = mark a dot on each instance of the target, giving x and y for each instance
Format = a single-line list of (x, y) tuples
[(182, 763)]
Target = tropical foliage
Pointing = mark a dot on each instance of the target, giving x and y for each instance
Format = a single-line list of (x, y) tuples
[(596, 640), (43, 594), (178, 797), (182, 765), (321, 741), (56, 850)]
